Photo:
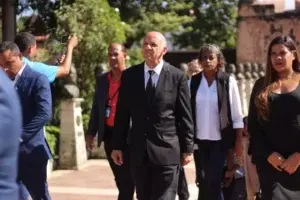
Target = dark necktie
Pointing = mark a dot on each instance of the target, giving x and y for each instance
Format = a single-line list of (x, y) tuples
[(150, 88)]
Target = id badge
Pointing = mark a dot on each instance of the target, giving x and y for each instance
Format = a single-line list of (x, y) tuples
[(107, 111)]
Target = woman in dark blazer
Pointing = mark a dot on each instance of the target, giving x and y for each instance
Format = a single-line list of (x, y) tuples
[(218, 121)]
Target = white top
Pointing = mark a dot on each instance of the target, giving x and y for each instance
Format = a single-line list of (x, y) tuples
[(157, 69), (19, 74), (207, 109)]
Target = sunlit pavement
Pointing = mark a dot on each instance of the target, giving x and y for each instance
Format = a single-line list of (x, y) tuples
[(95, 182)]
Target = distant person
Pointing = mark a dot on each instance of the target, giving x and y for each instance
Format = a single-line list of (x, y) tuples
[(28, 47), (35, 97), (184, 67), (10, 132), (193, 68)]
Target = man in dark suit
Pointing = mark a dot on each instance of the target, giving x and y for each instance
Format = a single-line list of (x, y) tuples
[(103, 115), (10, 132), (155, 96), (35, 96)]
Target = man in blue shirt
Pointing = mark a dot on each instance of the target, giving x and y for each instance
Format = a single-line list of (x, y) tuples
[(27, 44)]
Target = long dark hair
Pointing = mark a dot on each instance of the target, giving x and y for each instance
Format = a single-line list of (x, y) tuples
[(271, 76)]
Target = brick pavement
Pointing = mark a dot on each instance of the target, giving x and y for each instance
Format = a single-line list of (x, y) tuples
[(95, 182)]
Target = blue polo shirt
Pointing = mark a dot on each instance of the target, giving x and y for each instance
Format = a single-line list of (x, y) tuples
[(49, 70)]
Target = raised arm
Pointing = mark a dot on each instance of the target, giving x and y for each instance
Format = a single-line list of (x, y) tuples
[(52, 71), (65, 67)]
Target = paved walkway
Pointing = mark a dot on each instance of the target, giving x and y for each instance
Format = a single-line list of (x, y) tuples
[(95, 182)]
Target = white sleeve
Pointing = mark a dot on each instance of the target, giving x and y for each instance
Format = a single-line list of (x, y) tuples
[(235, 104)]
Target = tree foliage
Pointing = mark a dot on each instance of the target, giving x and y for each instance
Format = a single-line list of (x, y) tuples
[(191, 22), (159, 15), (96, 24), (215, 22)]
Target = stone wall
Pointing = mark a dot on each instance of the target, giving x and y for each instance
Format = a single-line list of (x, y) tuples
[(258, 25), (246, 75)]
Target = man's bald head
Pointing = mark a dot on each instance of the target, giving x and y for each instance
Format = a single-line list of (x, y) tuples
[(154, 48), (158, 35)]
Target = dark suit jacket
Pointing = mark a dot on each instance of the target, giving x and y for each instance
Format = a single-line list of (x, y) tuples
[(10, 132), (166, 129), (97, 116), (35, 95)]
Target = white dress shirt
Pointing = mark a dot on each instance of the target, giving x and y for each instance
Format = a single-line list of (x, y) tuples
[(207, 109), (157, 69), (19, 74)]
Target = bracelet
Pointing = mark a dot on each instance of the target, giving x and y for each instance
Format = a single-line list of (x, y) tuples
[(239, 161)]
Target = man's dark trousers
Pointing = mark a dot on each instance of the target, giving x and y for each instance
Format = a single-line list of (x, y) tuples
[(121, 173), (152, 180), (33, 173)]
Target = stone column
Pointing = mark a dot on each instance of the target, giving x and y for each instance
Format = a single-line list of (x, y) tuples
[(231, 70), (261, 69), (72, 148), (250, 81), (50, 161), (242, 88)]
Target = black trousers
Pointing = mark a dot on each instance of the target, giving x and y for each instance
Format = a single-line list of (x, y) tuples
[(182, 190), (122, 174), (32, 173), (209, 160), (156, 182)]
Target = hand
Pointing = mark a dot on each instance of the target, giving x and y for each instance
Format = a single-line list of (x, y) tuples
[(291, 164), (276, 160), (228, 177), (73, 41), (61, 59), (117, 157), (89, 142), (186, 158), (246, 134)]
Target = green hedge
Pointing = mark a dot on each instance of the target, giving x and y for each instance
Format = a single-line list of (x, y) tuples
[(52, 135)]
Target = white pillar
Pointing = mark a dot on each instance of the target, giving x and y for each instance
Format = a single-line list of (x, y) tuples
[(72, 148)]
